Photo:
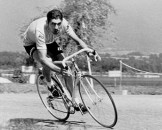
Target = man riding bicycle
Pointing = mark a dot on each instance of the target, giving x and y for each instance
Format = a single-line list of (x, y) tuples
[(40, 42)]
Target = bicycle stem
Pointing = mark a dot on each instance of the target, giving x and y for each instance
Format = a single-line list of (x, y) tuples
[(76, 53)]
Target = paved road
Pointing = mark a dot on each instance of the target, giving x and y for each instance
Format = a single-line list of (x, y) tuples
[(25, 111)]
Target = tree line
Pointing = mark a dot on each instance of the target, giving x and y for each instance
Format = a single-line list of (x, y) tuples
[(153, 63)]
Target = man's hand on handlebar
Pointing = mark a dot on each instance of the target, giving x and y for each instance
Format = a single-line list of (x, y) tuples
[(65, 72), (94, 56)]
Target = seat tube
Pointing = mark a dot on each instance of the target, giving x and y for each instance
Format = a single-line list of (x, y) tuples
[(75, 83)]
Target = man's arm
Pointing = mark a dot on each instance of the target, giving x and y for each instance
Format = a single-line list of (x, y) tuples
[(72, 34), (42, 54), (76, 38), (83, 45)]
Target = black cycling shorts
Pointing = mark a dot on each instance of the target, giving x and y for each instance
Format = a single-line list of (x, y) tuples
[(30, 49), (52, 50)]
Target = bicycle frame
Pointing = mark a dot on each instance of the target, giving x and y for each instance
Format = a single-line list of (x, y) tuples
[(78, 74), (75, 54)]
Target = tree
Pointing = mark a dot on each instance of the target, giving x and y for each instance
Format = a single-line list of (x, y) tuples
[(134, 54), (89, 19), (11, 59)]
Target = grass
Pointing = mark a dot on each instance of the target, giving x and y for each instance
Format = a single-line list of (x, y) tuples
[(132, 89), (17, 88), (150, 86), (133, 85)]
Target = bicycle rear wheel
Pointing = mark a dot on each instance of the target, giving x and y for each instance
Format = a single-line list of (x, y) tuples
[(56, 106), (98, 101)]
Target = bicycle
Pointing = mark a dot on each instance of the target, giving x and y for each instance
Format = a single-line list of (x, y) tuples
[(93, 94)]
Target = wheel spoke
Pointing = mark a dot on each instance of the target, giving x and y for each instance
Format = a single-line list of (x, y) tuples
[(98, 101)]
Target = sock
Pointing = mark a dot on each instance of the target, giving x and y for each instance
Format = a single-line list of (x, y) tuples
[(76, 100), (49, 84)]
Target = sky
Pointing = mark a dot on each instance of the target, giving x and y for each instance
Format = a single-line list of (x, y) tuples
[(138, 23), (15, 14)]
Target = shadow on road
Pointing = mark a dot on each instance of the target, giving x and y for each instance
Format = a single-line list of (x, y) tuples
[(46, 124)]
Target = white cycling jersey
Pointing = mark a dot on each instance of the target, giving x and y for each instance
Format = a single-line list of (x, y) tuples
[(39, 34)]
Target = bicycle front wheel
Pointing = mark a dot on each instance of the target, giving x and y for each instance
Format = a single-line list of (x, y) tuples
[(98, 101), (57, 105)]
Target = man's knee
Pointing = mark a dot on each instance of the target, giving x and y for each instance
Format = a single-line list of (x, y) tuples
[(35, 56)]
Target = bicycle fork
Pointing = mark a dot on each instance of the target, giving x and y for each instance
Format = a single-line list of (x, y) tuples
[(90, 84)]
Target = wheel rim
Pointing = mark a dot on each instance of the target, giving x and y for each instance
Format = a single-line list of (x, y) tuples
[(56, 107)]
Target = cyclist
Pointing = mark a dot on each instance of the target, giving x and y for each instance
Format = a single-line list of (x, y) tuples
[(41, 43)]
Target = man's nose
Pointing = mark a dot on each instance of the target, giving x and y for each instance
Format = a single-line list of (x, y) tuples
[(56, 27)]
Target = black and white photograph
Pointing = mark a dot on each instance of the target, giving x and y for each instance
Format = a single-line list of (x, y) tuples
[(80, 65)]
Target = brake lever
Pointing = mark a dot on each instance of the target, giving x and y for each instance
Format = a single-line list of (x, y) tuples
[(66, 67), (94, 54)]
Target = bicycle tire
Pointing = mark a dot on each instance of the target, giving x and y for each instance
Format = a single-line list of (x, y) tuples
[(60, 110), (102, 110)]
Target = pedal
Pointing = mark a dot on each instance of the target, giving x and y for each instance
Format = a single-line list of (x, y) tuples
[(49, 101), (80, 107), (72, 110)]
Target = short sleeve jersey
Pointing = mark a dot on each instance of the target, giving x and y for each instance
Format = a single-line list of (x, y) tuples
[(39, 34)]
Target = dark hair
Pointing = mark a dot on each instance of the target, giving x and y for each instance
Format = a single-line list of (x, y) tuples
[(54, 14)]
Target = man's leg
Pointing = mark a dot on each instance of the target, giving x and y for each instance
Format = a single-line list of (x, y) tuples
[(68, 79), (69, 83), (46, 70)]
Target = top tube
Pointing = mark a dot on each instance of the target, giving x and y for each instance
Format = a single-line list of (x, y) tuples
[(74, 54)]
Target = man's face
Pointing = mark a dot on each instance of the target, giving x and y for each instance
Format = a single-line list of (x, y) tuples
[(54, 25)]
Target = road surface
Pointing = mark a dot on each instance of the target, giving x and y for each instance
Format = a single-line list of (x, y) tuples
[(25, 111)]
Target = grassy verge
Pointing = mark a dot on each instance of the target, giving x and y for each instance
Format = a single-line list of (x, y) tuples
[(136, 90), (17, 88)]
